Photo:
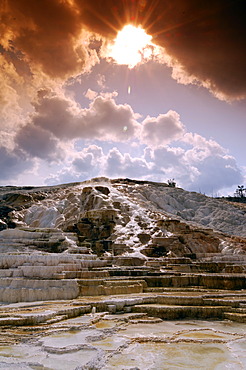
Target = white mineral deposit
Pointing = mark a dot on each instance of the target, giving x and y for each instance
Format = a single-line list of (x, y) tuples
[(121, 274)]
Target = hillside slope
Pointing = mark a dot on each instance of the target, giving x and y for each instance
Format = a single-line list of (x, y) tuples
[(119, 216)]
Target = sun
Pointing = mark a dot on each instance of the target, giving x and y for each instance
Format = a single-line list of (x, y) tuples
[(131, 46)]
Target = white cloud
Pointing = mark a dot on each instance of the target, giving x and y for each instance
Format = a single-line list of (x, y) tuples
[(66, 175), (162, 130), (208, 173), (202, 143), (204, 166), (91, 94), (215, 170), (84, 165), (164, 157), (89, 160), (101, 81), (12, 164), (118, 164), (39, 143), (103, 120), (51, 131)]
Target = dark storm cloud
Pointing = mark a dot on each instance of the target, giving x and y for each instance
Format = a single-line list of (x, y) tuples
[(46, 32), (207, 38)]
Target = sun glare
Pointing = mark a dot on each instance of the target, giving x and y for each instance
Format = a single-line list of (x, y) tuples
[(131, 46)]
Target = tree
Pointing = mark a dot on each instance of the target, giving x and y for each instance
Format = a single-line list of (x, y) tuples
[(240, 191), (171, 183)]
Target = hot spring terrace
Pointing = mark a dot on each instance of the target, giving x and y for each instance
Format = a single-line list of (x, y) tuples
[(207, 287)]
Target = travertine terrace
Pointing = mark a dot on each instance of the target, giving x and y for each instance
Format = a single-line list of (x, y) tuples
[(105, 237), (142, 250)]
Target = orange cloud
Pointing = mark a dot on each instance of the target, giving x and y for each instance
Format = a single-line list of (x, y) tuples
[(204, 39)]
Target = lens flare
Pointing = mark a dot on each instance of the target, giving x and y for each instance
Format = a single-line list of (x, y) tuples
[(130, 46)]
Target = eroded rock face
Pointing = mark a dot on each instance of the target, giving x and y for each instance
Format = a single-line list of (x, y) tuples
[(24, 239), (110, 229), (133, 214), (25, 290), (96, 259)]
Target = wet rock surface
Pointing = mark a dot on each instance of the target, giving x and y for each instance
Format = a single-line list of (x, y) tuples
[(98, 333)]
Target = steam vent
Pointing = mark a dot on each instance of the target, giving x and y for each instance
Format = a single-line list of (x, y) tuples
[(121, 274)]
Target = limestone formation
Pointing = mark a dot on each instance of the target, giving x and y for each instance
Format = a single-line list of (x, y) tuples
[(111, 237)]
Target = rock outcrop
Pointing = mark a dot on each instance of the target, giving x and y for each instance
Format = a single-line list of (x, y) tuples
[(107, 237)]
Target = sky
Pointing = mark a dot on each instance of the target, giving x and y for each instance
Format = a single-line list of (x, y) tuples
[(144, 89)]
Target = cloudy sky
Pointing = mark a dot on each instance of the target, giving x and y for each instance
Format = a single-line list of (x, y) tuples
[(145, 89)]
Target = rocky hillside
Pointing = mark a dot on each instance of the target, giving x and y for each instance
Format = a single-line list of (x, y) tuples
[(122, 216)]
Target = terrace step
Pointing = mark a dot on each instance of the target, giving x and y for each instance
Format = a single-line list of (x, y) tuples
[(94, 287), (129, 272), (173, 312), (209, 281), (85, 274), (146, 320), (28, 290), (235, 316)]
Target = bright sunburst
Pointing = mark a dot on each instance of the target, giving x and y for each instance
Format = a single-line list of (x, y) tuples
[(131, 46)]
